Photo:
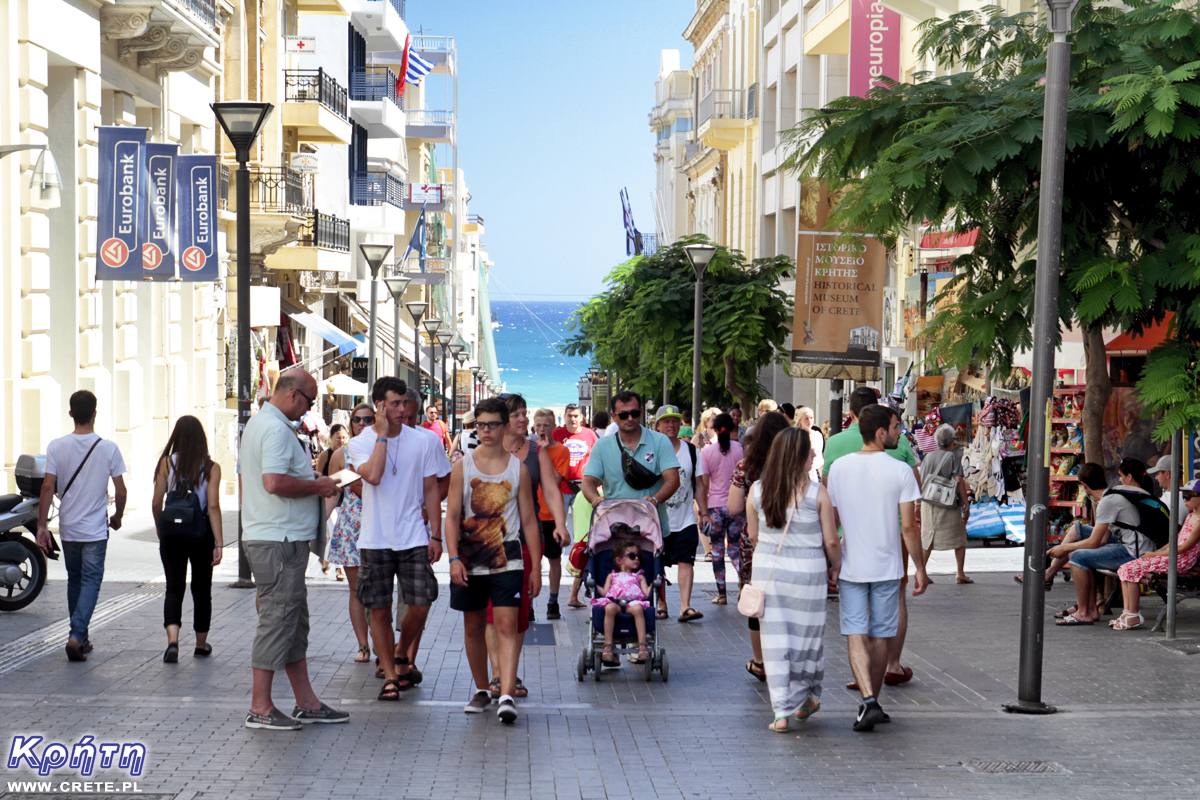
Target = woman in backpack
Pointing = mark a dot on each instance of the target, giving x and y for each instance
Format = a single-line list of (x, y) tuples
[(945, 527), (186, 467)]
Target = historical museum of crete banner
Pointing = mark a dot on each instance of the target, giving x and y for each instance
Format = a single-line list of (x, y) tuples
[(874, 45), (158, 251), (121, 218), (839, 306), (197, 194)]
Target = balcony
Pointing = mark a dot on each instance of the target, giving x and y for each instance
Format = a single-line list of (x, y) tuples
[(323, 246), (827, 28), (473, 225), (316, 106), (374, 188), (374, 103), (430, 126), (323, 7), (437, 50), (724, 119), (273, 190), (203, 10), (381, 21)]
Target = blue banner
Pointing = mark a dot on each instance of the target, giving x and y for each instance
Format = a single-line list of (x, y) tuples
[(120, 230), (197, 193), (158, 251)]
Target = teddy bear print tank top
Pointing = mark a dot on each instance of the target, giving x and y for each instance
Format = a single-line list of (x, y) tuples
[(490, 536)]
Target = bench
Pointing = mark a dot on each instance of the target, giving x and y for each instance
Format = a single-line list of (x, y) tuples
[(1187, 587)]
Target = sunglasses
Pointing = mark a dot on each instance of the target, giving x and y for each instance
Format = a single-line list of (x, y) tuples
[(363, 420), (490, 426), (1189, 495), (310, 400), (635, 413), (632, 556)]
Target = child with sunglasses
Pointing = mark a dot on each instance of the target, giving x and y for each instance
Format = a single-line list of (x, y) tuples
[(626, 590)]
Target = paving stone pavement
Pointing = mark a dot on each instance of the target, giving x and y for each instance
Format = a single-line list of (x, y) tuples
[(1127, 719)]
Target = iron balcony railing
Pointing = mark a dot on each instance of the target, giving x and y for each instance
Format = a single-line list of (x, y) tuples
[(203, 10), (273, 190), (374, 188), (314, 86), (326, 230), (474, 219), (721, 104), (372, 84), (396, 4), (645, 244), (425, 116), (433, 44)]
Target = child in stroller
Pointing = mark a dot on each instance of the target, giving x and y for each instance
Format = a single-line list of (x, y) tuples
[(625, 592)]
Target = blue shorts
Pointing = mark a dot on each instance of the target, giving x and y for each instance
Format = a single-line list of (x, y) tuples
[(1106, 556), (872, 609)]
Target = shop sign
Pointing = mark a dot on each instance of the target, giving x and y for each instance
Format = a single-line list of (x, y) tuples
[(306, 162), (197, 193), (120, 216), (425, 193), (300, 44), (838, 324), (874, 45)]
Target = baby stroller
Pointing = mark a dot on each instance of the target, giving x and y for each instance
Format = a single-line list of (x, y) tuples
[(614, 521)]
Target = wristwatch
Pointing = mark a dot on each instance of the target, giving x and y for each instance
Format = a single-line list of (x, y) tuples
[(653, 499)]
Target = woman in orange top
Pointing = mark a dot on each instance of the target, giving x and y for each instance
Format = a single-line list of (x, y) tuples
[(560, 457)]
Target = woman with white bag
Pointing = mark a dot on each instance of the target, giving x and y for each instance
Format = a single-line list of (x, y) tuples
[(945, 502), (800, 557)]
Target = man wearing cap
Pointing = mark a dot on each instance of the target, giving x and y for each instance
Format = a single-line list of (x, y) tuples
[(1161, 471), (679, 546)]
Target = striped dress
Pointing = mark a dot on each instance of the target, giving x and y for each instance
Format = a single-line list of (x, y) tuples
[(793, 625)]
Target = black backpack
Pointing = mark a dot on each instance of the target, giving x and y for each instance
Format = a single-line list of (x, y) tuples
[(692, 450), (182, 517), (1154, 521)]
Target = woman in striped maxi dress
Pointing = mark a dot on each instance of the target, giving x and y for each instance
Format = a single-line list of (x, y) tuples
[(794, 570)]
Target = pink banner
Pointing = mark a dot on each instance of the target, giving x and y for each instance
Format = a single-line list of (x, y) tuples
[(874, 45)]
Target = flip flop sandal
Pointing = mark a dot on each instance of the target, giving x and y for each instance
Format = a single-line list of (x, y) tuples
[(521, 690), (364, 654), (1065, 611), (708, 558), (690, 615), (757, 670), (1070, 621), (807, 710), (774, 726), (390, 693), (896, 678), (661, 614)]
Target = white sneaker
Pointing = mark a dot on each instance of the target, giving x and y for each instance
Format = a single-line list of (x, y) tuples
[(507, 712)]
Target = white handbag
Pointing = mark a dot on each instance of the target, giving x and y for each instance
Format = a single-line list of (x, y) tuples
[(752, 601)]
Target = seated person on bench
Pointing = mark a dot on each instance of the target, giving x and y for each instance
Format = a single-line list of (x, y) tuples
[(1136, 571), (1108, 545)]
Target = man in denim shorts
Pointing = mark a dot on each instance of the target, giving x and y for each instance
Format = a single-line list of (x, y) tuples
[(875, 497), (392, 539)]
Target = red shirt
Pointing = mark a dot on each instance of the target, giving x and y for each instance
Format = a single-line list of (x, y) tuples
[(580, 444), (438, 427)]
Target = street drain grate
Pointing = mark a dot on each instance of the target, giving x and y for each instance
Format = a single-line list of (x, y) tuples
[(1016, 768)]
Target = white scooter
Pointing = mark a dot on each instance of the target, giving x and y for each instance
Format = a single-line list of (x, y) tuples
[(22, 562)]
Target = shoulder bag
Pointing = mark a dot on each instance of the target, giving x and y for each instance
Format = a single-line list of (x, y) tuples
[(54, 548), (938, 490), (752, 601)]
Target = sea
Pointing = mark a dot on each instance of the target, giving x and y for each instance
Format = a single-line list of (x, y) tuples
[(527, 335)]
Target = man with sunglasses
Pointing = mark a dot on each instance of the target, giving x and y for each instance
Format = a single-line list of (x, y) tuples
[(280, 517), (651, 450)]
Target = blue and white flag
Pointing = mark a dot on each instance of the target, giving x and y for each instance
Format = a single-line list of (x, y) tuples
[(632, 247), (120, 216), (417, 241), (417, 67)]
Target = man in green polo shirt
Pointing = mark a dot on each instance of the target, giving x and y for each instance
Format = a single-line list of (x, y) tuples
[(850, 441)]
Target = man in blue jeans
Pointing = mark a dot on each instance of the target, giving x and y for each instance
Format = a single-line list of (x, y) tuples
[(85, 463)]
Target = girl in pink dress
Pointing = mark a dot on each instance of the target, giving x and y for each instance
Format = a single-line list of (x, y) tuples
[(626, 586), (1134, 572)]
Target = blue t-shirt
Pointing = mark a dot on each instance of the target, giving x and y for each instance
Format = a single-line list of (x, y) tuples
[(654, 452)]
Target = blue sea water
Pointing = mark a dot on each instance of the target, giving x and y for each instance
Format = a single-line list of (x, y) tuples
[(527, 340)]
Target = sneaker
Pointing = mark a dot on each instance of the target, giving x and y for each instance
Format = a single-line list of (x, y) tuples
[(552, 611), (868, 717), (324, 714), (507, 712), (275, 721), (479, 703)]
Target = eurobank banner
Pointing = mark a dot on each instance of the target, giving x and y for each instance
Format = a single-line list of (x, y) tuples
[(121, 217), (838, 324), (158, 251), (197, 193), (874, 45)]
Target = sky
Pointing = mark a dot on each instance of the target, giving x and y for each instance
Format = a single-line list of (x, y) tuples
[(553, 100)]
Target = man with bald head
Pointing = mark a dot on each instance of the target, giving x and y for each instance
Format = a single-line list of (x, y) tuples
[(282, 512)]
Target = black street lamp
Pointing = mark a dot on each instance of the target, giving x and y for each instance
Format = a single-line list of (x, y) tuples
[(475, 385), (457, 351), (241, 122), (1059, 19), (416, 310), (444, 336), (374, 254), (699, 255), (397, 286), (432, 326)]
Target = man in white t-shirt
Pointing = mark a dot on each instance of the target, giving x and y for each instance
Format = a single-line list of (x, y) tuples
[(85, 462), (392, 541), (680, 543), (875, 497)]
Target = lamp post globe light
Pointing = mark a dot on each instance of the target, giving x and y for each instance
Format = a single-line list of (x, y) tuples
[(699, 255), (416, 310), (45, 184), (374, 255), (242, 122), (396, 285), (432, 326)]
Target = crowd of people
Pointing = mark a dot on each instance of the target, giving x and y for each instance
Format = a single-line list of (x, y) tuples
[(779, 500)]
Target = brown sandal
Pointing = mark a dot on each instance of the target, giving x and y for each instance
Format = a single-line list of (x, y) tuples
[(757, 669)]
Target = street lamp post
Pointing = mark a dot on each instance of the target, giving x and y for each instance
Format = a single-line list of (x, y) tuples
[(699, 255), (397, 285), (374, 254), (456, 351), (417, 309), (45, 185), (432, 326), (1059, 15), (241, 122), (475, 385), (444, 336)]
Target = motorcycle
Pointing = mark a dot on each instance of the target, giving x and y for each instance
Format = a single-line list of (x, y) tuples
[(22, 562)]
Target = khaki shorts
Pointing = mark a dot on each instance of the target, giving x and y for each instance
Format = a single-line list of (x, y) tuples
[(278, 569)]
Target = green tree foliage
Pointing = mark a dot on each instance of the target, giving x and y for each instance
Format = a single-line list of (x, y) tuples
[(964, 150), (643, 323)]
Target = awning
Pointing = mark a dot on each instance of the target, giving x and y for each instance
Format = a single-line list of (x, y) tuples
[(344, 342), (385, 334), (341, 383), (1139, 343), (944, 240)]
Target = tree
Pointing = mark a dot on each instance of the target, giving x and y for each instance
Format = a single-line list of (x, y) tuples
[(643, 323), (964, 150)]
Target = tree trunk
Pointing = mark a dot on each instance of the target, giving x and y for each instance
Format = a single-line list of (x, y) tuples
[(731, 386), (1097, 392)]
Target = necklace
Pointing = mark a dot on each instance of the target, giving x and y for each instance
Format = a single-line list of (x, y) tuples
[(389, 455)]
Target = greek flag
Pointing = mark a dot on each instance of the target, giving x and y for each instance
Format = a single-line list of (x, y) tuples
[(416, 242), (417, 67)]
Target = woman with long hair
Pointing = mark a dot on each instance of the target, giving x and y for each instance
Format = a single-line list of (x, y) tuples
[(343, 544), (338, 436), (725, 533), (185, 462), (790, 517), (705, 433), (746, 473)]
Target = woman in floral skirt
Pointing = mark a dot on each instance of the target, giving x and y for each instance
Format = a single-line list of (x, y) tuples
[(343, 545)]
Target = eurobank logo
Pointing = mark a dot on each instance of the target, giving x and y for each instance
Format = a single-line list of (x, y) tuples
[(120, 228), (197, 192)]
